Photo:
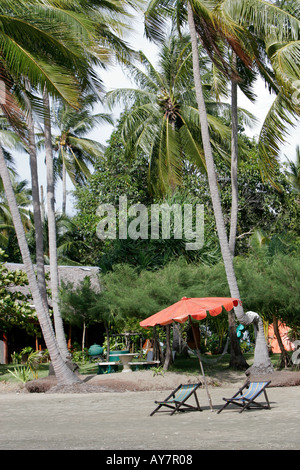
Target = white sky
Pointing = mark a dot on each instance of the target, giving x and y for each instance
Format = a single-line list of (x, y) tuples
[(114, 78)]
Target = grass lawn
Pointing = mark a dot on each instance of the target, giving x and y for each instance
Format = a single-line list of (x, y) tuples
[(183, 365), (6, 376)]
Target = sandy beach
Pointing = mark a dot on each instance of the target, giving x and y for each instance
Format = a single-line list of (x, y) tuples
[(113, 413)]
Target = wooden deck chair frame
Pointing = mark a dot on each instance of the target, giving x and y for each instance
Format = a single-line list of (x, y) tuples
[(247, 399), (176, 401)]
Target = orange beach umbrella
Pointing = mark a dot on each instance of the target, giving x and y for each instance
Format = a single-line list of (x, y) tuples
[(188, 308), (194, 307)]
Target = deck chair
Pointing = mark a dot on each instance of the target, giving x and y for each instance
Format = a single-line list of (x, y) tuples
[(176, 401), (247, 399)]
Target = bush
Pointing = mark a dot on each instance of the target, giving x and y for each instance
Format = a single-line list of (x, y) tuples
[(80, 356), (31, 366)]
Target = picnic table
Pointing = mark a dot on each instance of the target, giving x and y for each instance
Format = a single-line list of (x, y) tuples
[(112, 365), (123, 358), (108, 367), (143, 364)]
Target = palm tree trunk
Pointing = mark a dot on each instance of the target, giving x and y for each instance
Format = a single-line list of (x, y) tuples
[(211, 174), (83, 337), (63, 374), (64, 183), (243, 318), (235, 350), (234, 161), (158, 354), (168, 354), (59, 329), (38, 227), (237, 360)]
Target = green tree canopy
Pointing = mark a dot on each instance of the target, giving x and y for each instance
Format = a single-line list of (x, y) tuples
[(268, 286), (76, 303), (16, 308), (261, 206)]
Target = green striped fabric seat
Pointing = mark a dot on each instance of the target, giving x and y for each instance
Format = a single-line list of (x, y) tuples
[(176, 401), (182, 393), (247, 395), (254, 389)]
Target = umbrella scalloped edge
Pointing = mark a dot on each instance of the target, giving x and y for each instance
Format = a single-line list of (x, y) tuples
[(196, 308)]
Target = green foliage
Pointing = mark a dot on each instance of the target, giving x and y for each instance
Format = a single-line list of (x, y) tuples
[(152, 254), (8, 239), (162, 121), (270, 286), (73, 149), (15, 306), (30, 369), (71, 245), (76, 303), (261, 206), (34, 360), (21, 373), (130, 293), (267, 286), (79, 356), (158, 370), (114, 176)]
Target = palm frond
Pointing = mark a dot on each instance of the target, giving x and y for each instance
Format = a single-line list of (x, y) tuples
[(165, 160), (128, 96), (285, 59), (38, 71), (91, 149), (157, 17), (192, 146), (264, 17), (273, 133)]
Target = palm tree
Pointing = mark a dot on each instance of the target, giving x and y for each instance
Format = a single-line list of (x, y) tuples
[(74, 152), (53, 74), (282, 50), (208, 25), (84, 57), (38, 224), (59, 330), (63, 373), (244, 318), (24, 201), (283, 109), (23, 60), (162, 120), (54, 57), (29, 66)]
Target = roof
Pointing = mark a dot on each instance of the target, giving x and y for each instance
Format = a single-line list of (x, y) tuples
[(72, 274)]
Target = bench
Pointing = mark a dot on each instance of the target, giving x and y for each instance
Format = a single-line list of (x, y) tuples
[(146, 364), (107, 367)]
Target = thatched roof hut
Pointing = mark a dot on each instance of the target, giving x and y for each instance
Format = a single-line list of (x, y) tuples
[(67, 274)]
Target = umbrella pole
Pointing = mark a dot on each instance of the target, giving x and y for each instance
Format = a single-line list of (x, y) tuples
[(201, 365)]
